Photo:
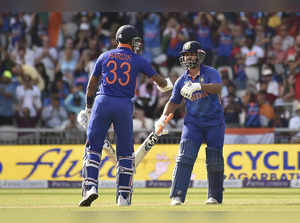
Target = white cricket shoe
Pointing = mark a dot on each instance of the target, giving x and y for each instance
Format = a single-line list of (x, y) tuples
[(176, 201), (122, 201), (89, 197), (211, 200)]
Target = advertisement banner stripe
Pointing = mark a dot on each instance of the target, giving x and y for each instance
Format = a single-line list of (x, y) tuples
[(266, 183), (64, 162), (23, 184)]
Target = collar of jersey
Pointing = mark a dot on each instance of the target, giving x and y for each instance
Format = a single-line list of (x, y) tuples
[(193, 78), (123, 45), (198, 75)]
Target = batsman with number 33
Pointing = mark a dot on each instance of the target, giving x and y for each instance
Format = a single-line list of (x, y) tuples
[(115, 72)]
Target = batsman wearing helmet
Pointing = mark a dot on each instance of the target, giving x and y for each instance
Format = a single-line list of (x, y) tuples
[(115, 72), (200, 87)]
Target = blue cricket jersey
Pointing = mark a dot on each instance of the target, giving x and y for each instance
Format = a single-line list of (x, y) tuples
[(204, 109), (119, 69)]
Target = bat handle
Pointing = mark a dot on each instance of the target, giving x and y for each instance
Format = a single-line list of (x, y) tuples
[(169, 117)]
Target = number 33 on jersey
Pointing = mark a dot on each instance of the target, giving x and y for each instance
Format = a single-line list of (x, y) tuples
[(119, 69), (124, 69)]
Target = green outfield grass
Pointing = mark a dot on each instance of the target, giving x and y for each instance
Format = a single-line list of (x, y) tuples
[(148, 205)]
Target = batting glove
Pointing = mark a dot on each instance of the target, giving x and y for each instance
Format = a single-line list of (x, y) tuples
[(110, 151), (160, 123), (189, 88), (83, 117)]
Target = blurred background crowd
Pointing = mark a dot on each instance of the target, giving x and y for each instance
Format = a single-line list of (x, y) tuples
[(46, 58)]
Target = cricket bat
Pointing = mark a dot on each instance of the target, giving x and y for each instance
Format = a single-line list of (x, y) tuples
[(150, 141), (141, 152)]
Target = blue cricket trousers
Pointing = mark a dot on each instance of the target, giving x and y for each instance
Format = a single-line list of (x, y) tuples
[(109, 110)]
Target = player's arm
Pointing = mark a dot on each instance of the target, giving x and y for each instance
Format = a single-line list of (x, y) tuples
[(164, 85), (215, 83), (170, 107), (159, 80), (91, 90), (84, 115), (212, 88)]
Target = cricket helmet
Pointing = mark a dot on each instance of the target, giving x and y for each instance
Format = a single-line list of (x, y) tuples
[(128, 34), (191, 47)]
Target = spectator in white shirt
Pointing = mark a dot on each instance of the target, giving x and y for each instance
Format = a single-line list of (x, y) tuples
[(294, 123), (48, 56), (28, 96), (253, 55)]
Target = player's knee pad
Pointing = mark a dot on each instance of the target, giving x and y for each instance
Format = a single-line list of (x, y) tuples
[(214, 160), (125, 172), (90, 170), (188, 152)]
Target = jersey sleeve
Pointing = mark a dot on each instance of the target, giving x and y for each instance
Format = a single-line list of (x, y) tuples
[(146, 68), (176, 97), (97, 70), (214, 77)]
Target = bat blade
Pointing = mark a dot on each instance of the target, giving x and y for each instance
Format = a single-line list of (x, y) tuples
[(150, 141)]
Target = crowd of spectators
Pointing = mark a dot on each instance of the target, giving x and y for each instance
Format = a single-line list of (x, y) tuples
[(46, 58)]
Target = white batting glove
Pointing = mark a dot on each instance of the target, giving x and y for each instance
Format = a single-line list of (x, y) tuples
[(159, 123), (168, 87), (110, 151), (83, 117), (189, 88)]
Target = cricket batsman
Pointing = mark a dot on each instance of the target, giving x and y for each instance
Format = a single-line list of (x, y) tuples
[(200, 87), (115, 72)]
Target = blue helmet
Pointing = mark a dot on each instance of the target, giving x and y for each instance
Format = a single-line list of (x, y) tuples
[(128, 34), (195, 48)]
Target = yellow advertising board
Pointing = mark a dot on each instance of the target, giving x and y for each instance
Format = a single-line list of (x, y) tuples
[(64, 162)]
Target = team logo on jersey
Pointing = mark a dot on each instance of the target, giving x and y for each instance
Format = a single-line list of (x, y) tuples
[(201, 80)]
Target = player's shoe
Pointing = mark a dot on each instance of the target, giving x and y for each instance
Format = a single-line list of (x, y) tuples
[(211, 200), (89, 197), (176, 201), (123, 201)]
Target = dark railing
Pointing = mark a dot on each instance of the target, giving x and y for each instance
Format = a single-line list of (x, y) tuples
[(18, 136)]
